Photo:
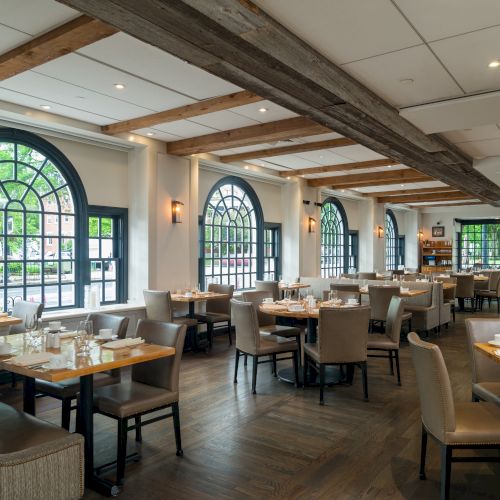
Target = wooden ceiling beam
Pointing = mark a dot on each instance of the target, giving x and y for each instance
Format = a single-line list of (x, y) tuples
[(395, 176), (247, 136), (58, 42), (397, 192), (340, 167), (196, 109), (287, 150), (440, 205), (418, 178), (413, 198)]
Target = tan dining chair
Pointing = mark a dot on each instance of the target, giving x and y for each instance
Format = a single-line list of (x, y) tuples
[(342, 340), (485, 371), (389, 341), (380, 298), (23, 309), (154, 386), (449, 294), (453, 425), (250, 342), (268, 286), (367, 276), (465, 290), (345, 287), (67, 390), (489, 294)]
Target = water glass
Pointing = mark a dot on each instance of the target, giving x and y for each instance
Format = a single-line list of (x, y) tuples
[(85, 335)]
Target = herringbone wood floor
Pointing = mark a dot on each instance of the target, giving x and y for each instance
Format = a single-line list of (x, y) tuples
[(281, 444)]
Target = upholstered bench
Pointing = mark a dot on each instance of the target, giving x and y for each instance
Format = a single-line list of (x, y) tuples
[(37, 459)]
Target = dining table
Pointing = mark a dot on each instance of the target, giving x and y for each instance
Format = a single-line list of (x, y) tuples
[(191, 298), (6, 322), (403, 293), (99, 359), (493, 352)]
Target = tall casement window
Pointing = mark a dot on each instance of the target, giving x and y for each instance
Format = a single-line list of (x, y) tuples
[(42, 223), (272, 251), (479, 244), (391, 241), (232, 239), (334, 239)]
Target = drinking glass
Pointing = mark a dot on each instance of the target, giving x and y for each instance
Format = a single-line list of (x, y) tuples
[(85, 335)]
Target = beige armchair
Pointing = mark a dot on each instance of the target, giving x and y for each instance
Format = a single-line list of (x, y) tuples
[(21, 310), (450, 293), (367, 276), (465, 289), (380, 298), (452, 425), (485, 371), (425, 308), (489, 294)]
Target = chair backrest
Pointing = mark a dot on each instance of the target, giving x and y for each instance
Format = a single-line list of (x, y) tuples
[(343, 334), (268, 286), (494, 280), (367, 276), (118, 324), (380, 298), (221, 306), (246, 325), (342, 295), (449, 293), (465, 285), (394, 319), (481, 330), (163, 372), (158, 305), (256, 299), (23, 309), (436, 396), (410, 277), (347, 287)]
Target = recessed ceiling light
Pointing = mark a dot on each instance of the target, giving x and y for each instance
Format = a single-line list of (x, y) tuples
[(246, 167), (119, 86), (494, 64), (402, 185), (150, 134), (389, 166), (343, 190), (45, 106), (262, 110), (131, 138), (288, 178), (406, 81), (321, 156), (261, 164)]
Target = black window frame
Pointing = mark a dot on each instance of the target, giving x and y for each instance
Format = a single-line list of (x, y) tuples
[(275, 227), (391, 242), (353, 250), (401, 250), (459, 244)]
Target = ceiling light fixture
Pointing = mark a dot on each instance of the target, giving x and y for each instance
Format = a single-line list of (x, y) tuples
[(246, 167), (402, 185), (262, 110), (494, 64), (45, 106), (119, 86), (150, 134)]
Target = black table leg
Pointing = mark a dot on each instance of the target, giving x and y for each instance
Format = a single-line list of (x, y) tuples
[(191, 310), (29, 395)]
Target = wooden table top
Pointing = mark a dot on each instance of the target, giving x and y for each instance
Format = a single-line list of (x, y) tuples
[(9, 321), (481, 278), (99, 360), (490, 350), (281, 310), (293, 286), (449, 286), (408, 293), (199, 297)]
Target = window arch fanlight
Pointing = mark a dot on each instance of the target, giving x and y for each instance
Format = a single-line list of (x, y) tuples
[(391, 241), (43, 223), (232, 239), (334, 238)]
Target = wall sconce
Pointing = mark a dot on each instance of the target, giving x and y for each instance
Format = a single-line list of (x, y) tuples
[(420, 234), (177, 211), (380, 232), (311, 225)]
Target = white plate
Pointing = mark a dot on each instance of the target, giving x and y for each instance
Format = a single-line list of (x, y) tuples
[(492, 342), (47, 366), (99, 337)]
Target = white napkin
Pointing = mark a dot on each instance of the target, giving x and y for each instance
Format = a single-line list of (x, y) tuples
[(66, 335), (120, 344), (35, 358)]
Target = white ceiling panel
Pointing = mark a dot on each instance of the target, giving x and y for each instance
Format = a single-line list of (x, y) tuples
[(344, 30), (100, 78), (355, 172), (467, 58), (386, 73), (266, 164), (358, 153), (323, 157), (435, 19), (55, 91), (11, 38), (490, 167), (319, 137), (223, 120), (397, 187), (474, 134), (157, 134), (481, 149), (185, 129), (150, 63), (290, 161), (35, 16), (274, 111)]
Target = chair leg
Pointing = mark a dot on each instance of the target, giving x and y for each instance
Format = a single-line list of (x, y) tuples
[(296, 367), (445, 471), (391, 363), (246, 360), (304, 372), (454, 314), (177, 429), (254, 374), (321, 384), (236, 363), (122, 450), (65, 413), (275, 371), (364, 371), (396, 356), (210, 334), (229, 333), (138, 429), (423, 451), (13, 380)]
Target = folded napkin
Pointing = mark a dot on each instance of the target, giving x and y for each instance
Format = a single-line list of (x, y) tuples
[(66, 335), (120, 344), (35, 358)]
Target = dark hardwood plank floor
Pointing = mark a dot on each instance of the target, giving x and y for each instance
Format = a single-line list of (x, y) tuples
[(281, 444)]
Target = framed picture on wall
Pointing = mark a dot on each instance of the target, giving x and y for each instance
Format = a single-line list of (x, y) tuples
[(437, 231)]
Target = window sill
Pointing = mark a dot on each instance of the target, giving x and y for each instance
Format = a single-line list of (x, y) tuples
[(80, 311)]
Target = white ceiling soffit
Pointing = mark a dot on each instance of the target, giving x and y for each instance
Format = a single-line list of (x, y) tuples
[(490, 168), (453, 114)]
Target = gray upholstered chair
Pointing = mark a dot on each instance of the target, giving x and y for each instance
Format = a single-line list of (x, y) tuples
[(342, 340), (67, 390), (452, 425), (268, 286), (485, 371), (389, 341), (250, 342), (489, 294), (154, 386), (450, 293), (367, 276), (380, 298), (37, 459), (465, 289), (23, 309), (426, 308), (410, 277), (345, 287), (218, 311)]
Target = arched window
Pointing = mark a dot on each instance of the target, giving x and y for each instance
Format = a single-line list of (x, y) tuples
[(232, 235), (391, 241), (42, 223), (334, 239)]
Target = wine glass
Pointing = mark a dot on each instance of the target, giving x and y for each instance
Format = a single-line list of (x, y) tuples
[(85, 334), (30, 324)]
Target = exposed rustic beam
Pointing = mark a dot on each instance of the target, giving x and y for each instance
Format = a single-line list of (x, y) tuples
[(196, 109), (56, 43), (286, 150), (340, 167), (247, 136), (440, 205), (414, 198), (395, 175), (239, 42), (397, 192), (361, 184)]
